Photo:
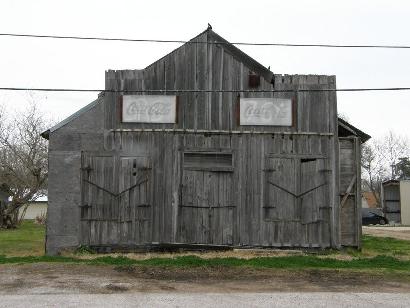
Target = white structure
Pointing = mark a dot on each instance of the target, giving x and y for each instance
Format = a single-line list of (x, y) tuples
[(395, 197), (405, 201), (35, 208)]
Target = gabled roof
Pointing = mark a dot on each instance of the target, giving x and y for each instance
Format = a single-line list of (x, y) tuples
[(75, 115), (347, 129), (213, 37), (240, 55)]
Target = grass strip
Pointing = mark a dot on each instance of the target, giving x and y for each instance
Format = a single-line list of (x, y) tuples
[(290, 262), (385, 245)]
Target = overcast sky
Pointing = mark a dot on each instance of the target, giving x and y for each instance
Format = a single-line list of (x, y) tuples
[(51, 63)]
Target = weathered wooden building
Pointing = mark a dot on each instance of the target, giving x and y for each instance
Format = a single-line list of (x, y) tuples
[(189, 150)]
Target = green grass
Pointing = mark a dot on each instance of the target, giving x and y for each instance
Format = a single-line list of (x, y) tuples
[(28, 239), (385, 246), (26, 245), (291, 262)]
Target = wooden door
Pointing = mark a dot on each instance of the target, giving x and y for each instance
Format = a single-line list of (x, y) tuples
[(207, 209), (135, 208), (313, 191), (99, 208), (280, 200), (115, 209), (350, 191), (296, 189)]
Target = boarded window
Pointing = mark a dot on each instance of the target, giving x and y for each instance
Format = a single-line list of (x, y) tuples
[(210, 161)]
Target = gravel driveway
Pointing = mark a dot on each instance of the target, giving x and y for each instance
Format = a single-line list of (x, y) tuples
[(402, 233)]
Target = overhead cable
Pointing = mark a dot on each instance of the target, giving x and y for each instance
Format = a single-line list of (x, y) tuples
[(164, 91), (204, 42)]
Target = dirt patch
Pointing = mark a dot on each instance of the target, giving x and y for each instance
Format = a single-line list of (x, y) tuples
[(46, 278), (401, 233), (118, 287)]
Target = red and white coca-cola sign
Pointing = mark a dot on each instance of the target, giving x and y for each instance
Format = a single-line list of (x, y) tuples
[(149, 108), (266, 111)]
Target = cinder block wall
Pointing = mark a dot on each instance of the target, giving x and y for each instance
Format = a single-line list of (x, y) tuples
[(83, 133)]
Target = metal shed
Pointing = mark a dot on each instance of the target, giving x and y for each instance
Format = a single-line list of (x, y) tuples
[(189, 151), (395, 198)]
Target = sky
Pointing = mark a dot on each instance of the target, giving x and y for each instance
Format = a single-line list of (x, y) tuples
[(51, 63)]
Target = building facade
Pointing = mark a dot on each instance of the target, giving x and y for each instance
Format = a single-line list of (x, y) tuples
[(205, 147)]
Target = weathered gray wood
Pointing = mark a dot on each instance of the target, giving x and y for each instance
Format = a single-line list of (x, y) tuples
[(349, 189), (358, 199), (210, 180)]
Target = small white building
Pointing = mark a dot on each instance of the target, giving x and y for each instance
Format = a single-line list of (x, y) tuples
[(35, 208), (395, 198)]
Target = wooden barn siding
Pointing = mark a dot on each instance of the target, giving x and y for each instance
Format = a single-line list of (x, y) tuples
[(350, 219), (249, 224), (211, 67)]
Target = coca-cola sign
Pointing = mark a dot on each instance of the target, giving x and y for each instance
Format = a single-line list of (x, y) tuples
[(266, 111), (149, 108)]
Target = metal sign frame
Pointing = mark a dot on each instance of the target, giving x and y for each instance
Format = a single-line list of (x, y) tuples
[(153, 109), (266, 111)]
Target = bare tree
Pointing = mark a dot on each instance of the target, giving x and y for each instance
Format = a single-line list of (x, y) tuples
[(23, 161), (373, 169), (392, 148), (379, 161)]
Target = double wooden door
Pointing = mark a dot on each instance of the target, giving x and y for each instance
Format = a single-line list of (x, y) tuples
[(207, 208), (115, 202), (296, 189)]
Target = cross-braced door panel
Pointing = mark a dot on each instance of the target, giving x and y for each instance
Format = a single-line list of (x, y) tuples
[(295, 189), (313, 197), (135, 207), (98, 188), (115, 206), (281, 184), (99, 210)]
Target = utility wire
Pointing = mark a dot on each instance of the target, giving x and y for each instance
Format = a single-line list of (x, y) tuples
[(203, 91), (202, 42)]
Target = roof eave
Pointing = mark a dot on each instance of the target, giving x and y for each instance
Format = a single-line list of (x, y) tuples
[(45, 134), (362, 135)]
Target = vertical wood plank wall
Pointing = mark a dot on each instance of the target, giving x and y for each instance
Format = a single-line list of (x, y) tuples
[(351, 218), (213, 67), (311, 221), (280, 190), (245, 218)]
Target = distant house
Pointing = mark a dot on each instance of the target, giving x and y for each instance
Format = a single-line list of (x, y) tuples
[(369, 200), (395, 198), (35, 208)]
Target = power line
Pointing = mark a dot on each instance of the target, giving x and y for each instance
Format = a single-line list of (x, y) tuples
[(202, 42), (162, 91)]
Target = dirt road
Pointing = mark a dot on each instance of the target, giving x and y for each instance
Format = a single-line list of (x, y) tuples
[(402, 233), (48, 278), (238, 300)]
